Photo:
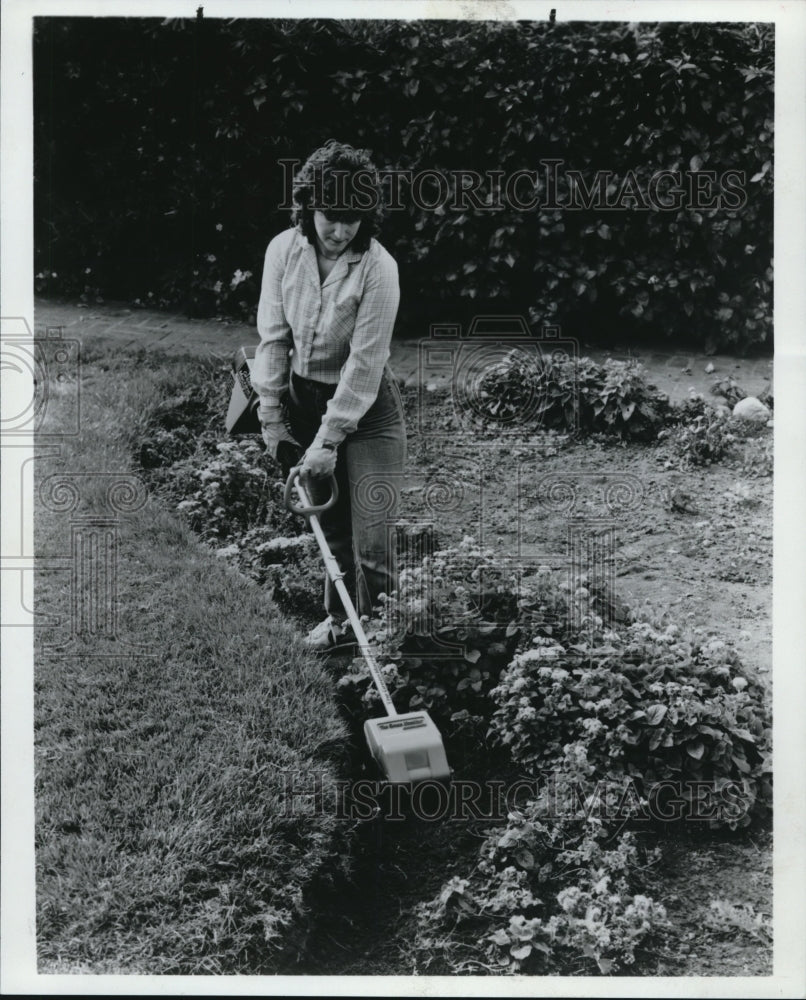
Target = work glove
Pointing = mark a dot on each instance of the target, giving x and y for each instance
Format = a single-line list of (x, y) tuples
[(319, 462), (279, 443)]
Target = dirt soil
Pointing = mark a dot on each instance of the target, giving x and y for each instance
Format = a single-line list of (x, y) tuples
[(690, 547)]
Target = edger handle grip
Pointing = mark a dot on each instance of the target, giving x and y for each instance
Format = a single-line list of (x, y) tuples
[(306, 509)]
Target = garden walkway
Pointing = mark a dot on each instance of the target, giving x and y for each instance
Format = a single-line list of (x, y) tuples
[(673, 372)]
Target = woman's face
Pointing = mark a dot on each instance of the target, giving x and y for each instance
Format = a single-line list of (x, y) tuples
[(334, 236)]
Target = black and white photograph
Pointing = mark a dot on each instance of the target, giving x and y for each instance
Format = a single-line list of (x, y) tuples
[(402, 450)]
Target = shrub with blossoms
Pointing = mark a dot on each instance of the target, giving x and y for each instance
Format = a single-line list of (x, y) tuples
[(232, 491), (523, 663), (445, 634), (555, 889), (647, 703), (621, 726)]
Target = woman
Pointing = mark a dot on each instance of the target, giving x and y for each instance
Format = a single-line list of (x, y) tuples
[(327, 309)]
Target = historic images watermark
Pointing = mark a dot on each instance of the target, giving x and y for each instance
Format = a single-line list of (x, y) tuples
[(314, 793), (551, 187), (34, 369)]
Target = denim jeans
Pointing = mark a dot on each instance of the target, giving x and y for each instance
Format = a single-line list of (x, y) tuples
[(369, 471)]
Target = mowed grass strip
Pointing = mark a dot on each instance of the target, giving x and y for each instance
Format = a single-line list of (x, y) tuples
[(166, 837)]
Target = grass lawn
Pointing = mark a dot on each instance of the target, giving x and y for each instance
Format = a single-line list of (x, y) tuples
[(164, 840)]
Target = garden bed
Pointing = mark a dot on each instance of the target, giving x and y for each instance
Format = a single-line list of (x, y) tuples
[(674, 531)]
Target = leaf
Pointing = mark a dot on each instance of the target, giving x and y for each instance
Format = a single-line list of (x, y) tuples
[(696, 161), (525, 859), (627, 410), (656, 714), (500, 937), (521, 952), (472, 655), (605, 965), (757, 177), (696, 750)]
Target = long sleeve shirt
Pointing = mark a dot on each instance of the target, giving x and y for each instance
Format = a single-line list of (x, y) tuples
[(337, 331)]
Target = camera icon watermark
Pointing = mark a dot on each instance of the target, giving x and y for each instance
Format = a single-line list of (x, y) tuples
[(34, 370), (499, 374)]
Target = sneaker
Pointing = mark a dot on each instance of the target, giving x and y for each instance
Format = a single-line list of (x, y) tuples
[(329, 634), (322, 636)]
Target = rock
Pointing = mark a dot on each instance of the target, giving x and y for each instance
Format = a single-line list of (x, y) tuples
[(684, 503), (751, 408)]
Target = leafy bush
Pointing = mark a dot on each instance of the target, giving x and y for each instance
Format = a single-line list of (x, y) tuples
[(726, 918), (165, 190), (227, 494), (443, 638), (231, 496), (701, 434), (288, 566), (624, 402), (613, 398), (646, 704), (554, 890), (757, 457), (616, 729)]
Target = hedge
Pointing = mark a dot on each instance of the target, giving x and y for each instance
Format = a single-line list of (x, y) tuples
[(158, 177)]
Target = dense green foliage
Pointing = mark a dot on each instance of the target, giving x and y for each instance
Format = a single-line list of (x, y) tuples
[(573, 395), (553, 891), (158, 175)]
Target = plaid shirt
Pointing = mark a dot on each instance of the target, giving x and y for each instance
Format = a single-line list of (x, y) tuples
[(336, 331)]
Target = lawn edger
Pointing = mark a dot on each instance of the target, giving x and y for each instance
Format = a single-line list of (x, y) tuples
[(407, 747)]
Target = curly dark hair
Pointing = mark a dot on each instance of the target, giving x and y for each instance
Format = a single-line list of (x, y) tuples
[(342, 182)]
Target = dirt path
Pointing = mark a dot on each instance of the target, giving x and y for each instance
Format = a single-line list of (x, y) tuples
[(672, 371)]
